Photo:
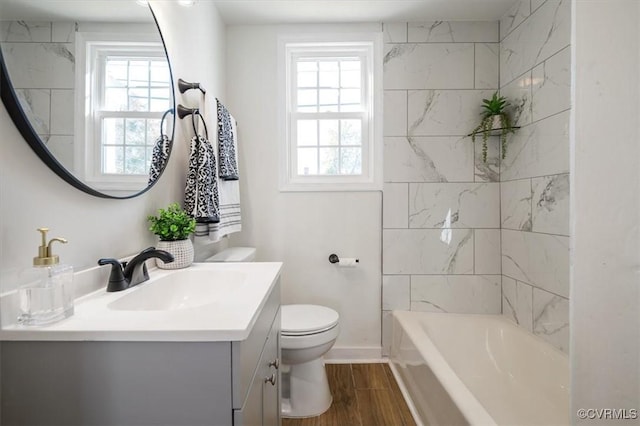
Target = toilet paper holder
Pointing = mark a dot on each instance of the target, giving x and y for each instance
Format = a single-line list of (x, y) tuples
[(333, 258)]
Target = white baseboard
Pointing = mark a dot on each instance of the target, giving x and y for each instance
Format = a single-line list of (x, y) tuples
[(345, 355)]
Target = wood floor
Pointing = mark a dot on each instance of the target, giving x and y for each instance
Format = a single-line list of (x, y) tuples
[(363, 395)]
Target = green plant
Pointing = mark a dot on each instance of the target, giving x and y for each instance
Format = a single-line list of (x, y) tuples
[(494, 107), (172, 223)]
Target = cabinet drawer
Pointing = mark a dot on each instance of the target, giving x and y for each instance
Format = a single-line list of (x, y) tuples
[(245, 354)]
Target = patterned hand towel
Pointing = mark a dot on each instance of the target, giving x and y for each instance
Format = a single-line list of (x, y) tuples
[(227, 144), (201, 199), (159, 158)]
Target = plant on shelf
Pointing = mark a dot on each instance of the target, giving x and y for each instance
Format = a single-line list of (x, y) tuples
[(494, 119), (173, 226)]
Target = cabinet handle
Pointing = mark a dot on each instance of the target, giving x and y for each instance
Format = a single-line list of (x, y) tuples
[(275, 363), (271, 379)]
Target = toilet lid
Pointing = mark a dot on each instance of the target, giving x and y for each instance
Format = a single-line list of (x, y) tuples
[(307, 319)]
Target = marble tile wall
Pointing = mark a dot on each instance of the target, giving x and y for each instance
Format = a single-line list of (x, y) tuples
[(441, 202), (41, 63), (535, 67)]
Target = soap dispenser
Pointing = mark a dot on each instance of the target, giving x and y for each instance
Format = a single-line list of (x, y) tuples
[(50, 297)]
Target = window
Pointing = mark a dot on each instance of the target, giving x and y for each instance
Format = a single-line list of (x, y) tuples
[(329, 116), (135, 94), (127, 90)]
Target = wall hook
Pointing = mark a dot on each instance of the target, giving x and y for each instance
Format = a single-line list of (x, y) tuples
[(183, 86), (184, 111)]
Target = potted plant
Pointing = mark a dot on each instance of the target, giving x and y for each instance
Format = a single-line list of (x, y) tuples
[(494, 118), (174, 226)]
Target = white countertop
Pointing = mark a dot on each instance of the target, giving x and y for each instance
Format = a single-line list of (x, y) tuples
[(230, 319)]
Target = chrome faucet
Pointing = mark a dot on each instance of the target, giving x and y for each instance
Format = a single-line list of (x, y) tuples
[(128, 274)]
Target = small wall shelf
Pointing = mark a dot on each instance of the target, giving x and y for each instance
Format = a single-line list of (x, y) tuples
[(497, 131)]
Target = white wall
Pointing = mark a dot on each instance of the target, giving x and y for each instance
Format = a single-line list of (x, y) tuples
[(535, 64), (605, 208), (32, 196), (435, 76), (302, 229)]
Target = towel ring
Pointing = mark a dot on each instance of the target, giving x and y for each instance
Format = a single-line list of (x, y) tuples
[(167, 112), (193, 121)]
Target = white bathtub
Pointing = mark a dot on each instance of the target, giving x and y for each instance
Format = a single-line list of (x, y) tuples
[(478, 370)]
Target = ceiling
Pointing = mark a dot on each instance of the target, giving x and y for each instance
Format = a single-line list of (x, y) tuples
[(74, 10), (236, 12)]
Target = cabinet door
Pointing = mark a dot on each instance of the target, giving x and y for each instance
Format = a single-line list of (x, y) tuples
[(262, 406), (251, 412), (271, 384)]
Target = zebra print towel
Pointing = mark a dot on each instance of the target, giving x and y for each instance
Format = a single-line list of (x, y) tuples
[(227, 144), (201, 198), (159, 158)]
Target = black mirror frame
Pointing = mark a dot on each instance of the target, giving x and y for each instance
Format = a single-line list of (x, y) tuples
[(12, 104)]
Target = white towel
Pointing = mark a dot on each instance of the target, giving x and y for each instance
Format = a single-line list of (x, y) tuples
[(229, 192)]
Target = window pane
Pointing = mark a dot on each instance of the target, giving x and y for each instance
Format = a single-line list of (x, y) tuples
[(329, 79), (307, 132), (116, 72), (349, 97), (329, 132), (307, 161), (115, 99), (138, 73), (350, 74), (139, 99), (307, 97), (112, 159), (135, 161), (159, 73), (160, 100), (136, 130), (308, 109), (326, 65), (351, 108), (153, 131), (307, 66), (113, 131), (350, 132), (328, 97), (350, 64), (329, 162), (307, 79), (351, 161)]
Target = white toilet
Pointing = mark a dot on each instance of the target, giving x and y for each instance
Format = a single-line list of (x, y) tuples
[(308, 332)]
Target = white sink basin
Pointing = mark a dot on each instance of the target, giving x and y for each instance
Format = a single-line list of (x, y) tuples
[(183, 289)]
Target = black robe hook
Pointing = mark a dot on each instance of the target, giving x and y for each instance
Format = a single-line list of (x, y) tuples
[(183, 86)]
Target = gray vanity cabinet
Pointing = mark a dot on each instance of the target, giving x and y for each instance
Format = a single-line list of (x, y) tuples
[(146, 382), (262, 403)]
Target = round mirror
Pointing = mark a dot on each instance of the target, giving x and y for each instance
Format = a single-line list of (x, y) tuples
[(89, 86)]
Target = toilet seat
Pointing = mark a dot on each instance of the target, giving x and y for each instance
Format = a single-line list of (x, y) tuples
[(305, 320)]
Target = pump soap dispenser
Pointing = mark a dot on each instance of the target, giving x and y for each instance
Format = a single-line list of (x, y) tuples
[(50, 297)]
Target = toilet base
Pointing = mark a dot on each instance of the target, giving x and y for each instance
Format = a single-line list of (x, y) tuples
[(309, 393)]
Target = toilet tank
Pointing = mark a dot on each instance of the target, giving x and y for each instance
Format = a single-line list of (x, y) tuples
[(234, 254)]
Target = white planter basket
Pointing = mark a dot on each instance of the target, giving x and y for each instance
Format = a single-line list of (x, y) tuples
[(182, 251)]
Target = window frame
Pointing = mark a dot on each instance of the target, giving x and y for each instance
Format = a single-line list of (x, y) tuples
[(92, 49), (369, 48)]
